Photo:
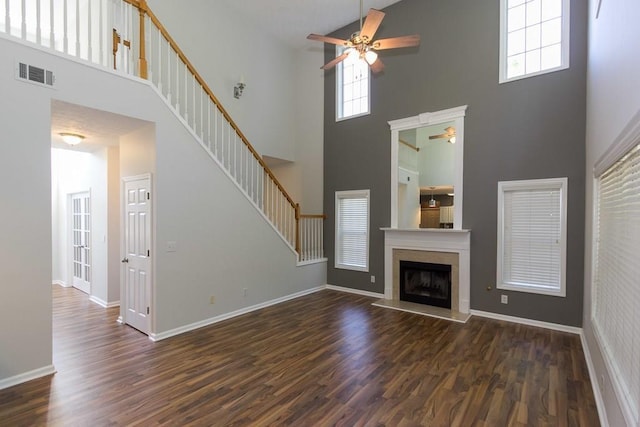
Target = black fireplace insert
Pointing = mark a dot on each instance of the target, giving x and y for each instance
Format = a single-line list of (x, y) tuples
[(425, 283)]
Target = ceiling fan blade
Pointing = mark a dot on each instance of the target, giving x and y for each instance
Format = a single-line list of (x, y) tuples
[(329, 65), (331, 40), (377, 66), (404, 41), (371, 24), (441, 136)]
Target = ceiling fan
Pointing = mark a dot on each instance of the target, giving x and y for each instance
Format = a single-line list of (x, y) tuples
[(361, 42), (449, 135)]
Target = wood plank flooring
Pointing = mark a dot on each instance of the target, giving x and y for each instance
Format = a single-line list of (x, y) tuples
[(324, 359)]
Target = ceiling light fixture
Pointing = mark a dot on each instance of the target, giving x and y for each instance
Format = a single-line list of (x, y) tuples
[(72, 138), (452, 140), (370, 56)]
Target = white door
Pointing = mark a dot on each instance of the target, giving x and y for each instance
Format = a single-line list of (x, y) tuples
[(81, 241), (137, 258)]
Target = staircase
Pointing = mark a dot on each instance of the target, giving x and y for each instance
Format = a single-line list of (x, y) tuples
[(127, 36)]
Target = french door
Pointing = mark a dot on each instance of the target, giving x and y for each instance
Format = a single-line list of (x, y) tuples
[(81, 241)]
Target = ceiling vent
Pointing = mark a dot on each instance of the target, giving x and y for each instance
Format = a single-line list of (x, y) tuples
[(35, 74)]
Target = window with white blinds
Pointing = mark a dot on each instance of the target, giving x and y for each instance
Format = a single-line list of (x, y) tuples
[(532, 218), (352, 230), (616, 282)]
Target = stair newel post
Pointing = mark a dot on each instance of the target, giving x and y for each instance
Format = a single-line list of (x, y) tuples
[(298, 229), (142, 60)]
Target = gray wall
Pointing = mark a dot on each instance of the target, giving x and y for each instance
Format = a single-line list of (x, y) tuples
[(528, 129)]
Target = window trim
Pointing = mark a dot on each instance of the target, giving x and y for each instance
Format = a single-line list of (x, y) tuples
[(534, 184), (340, 89), (565, 45), (346, 195)]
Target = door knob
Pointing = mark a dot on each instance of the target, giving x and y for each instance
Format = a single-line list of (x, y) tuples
[(125, 260)]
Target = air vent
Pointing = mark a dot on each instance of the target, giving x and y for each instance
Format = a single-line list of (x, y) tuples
[(35, 74)]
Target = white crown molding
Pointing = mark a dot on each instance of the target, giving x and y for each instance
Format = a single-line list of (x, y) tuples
[(628, 138), (426, 119)]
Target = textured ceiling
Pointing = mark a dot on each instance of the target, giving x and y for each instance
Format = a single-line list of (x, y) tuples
[(99, 128), (292, 20)]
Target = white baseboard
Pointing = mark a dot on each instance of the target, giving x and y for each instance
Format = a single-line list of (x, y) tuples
[(103, 303), (529, 322), (602, 412), (354, 291), (240, 312), (27, 376), (61, 283)]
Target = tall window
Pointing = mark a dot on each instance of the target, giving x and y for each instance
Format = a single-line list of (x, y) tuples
[(534, 37), (616, 283), (352, 86), (532, 222), (352, 230)]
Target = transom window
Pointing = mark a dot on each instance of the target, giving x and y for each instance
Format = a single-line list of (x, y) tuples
[(534, 37), (352, 86)]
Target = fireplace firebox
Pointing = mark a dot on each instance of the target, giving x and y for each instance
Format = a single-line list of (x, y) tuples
[(425, 283)]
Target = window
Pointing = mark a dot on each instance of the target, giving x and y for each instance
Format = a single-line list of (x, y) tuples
[(616, 289), (352, 86), (352, 230), (532, 218), (534, 37)]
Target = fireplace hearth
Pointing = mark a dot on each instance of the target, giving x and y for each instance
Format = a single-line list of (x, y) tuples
[(425, 283)]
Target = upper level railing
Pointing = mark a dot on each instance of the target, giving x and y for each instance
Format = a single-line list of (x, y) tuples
[(127, 36)]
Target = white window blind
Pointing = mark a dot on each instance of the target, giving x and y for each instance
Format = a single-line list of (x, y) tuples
[(352, 230), (616, 284), (531, 236)]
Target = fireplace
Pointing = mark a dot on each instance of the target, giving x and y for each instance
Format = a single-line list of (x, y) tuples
[(425, 283)]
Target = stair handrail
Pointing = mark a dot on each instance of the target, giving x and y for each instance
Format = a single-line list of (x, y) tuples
[(144, 9)]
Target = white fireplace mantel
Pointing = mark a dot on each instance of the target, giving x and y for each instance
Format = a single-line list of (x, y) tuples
[(433, 240)]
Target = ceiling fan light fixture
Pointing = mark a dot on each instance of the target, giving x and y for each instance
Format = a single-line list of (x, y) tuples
[(452, 140), (370, 56), (71, 138), (352, 52)]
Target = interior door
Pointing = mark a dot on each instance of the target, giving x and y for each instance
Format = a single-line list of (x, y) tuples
[(81, 241), (137, 259)]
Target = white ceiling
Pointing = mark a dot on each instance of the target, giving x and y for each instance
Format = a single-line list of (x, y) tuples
[(100, 128), (292, 20)]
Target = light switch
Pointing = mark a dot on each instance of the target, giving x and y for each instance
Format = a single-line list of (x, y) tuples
[(172, 246)]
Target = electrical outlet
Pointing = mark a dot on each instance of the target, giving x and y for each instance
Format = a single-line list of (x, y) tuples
[(212, 299), (245, 292), (373, 279), (504, 299)]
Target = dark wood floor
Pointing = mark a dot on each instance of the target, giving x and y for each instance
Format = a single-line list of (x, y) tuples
[(324, 359)]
